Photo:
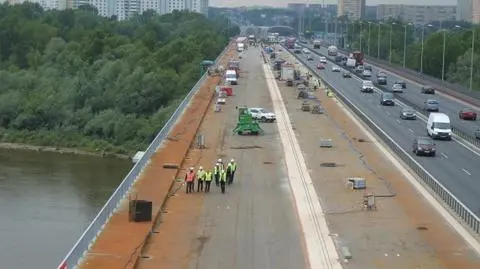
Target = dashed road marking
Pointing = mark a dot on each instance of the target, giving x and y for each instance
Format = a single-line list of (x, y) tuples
[(466, 171), (444, 155)]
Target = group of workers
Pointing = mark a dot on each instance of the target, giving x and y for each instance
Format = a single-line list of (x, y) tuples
[(222, 176)]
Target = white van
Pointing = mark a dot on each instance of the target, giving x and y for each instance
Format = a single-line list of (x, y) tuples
[(438, 126), (231, 77)]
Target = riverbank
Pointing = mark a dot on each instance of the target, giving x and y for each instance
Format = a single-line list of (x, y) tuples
[(61, 150)]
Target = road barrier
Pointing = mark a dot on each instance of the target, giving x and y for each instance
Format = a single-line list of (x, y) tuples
[(467, 216), (465, 136), (87, 239)]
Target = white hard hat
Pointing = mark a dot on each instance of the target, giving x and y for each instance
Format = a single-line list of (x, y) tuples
[(191, 168), (201, 168), (232, 160), (219, 160)]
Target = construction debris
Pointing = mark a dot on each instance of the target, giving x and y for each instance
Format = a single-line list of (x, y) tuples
[(317, 109), (170, 166), (305, 105)]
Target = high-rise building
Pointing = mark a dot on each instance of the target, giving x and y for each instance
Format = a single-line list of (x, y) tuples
[(464, 10), (353, 9), (416, 14), (475, 12)]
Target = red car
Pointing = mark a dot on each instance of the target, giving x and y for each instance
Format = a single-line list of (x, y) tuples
[(467, 114), (320, 66)]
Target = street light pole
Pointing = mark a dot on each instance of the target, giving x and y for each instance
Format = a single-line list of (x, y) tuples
[(369, 28), (405, 46), (390, 50), (471, 59), (443, 54), (378, 45), (421, 53), (361, 28), (335, 35)]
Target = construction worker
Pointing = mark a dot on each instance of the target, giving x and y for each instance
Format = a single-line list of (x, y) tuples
[(200, 178), (190, 180), (223, 180), (231, 168), (216, 174), (220, 162), (208, 180)]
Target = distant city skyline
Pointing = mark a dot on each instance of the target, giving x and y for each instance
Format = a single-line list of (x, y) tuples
[(283, 3)]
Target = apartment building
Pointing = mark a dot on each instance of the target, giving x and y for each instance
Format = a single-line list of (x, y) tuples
[(468, 10), (124, 9), (416, 14), (353, 9)]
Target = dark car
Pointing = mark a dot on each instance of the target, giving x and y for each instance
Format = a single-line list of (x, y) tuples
[(368, 67), (338, 58), (424, 145), (382, 80), (467, 114), (408, 114), (347, 75), (387, 99), (428, 90), (289, 82), (309, 58), (402, 83)]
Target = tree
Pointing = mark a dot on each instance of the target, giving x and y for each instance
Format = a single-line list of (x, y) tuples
[(72, 78)]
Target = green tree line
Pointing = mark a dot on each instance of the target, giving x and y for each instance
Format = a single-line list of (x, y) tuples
[(374, 40), (75, 79)]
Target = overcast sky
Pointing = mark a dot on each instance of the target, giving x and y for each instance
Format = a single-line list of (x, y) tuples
[(280, 3)]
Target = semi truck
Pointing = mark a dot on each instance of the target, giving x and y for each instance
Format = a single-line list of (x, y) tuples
[(358, 56), (241, 43), (317, 43), (332, 51)]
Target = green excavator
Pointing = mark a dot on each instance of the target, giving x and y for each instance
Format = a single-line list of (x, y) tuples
[(246, 124)]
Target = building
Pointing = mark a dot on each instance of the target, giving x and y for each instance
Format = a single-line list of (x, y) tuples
[(475, 12), (124, 9), (300, 8), (464, 10), (417, 14), (353, 9)]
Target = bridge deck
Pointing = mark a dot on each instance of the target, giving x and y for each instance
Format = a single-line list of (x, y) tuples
[(121, 241)]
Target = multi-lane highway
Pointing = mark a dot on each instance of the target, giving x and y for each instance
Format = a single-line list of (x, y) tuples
[(455, 166), (412, 94)]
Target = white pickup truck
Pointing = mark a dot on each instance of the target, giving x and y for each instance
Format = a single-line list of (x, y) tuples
[(262, 114)]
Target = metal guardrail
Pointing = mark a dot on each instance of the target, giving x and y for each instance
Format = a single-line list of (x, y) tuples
[(455, 90), (462, 134), (87, 239), (468, 217)]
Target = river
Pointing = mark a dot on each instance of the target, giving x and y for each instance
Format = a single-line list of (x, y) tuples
[(47, 200)]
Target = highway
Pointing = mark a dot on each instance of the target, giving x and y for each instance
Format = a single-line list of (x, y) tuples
[(413, 94), (455, 166)]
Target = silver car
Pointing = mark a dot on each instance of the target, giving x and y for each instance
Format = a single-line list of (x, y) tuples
[(366, 73), (408, 114), (397, 88)]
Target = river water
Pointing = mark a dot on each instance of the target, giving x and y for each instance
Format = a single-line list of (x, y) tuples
[(46, 202)]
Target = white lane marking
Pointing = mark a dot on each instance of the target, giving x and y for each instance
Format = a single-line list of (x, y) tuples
[(411, 131), (320, 247), (444, 155), (466, 171), (398, 121), (388, 113), (467, 145), (439, 207)]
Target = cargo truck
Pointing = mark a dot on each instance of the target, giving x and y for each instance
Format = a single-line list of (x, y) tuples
[(317, 43), (290, 42)]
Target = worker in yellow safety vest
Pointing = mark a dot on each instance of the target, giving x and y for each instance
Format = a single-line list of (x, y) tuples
[(231, 168), (200, 179), (216, 174), (208, 180), (223, 180)]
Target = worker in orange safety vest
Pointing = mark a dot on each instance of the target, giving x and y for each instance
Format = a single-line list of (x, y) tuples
[(190, 180)]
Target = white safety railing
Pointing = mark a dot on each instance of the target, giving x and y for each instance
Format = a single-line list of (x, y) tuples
[(87, 239)]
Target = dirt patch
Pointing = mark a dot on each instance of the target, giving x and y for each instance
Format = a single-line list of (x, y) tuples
[(120, 243)]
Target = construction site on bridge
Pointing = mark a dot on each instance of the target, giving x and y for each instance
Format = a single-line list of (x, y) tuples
[(376, 218)]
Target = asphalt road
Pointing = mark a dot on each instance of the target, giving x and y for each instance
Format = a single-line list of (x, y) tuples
[(454, 166), (253, 225), (413, 94)]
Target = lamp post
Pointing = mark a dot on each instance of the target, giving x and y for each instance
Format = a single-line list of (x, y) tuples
[(390, 50), (443, 53), (369, 29), (421, 53), (471, 59), (405, 45), (378, 45), (361, 28)]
